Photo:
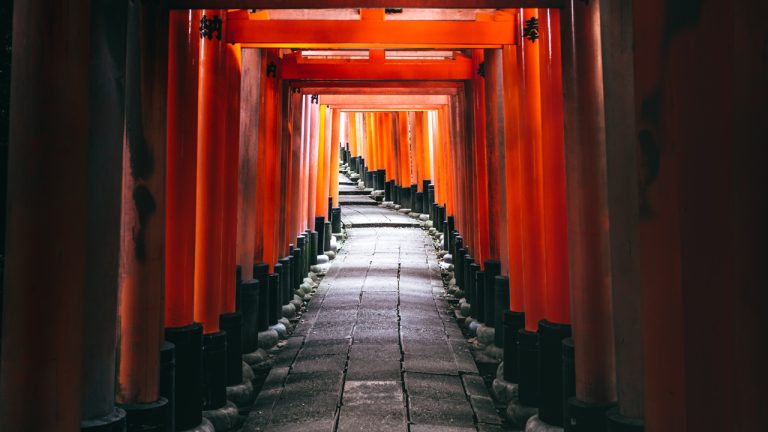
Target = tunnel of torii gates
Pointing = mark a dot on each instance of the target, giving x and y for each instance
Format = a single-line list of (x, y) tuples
[(170, 186)]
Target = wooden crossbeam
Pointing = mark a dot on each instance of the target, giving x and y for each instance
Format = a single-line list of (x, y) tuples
[(378, 87), (294, 68), (333, 4), (368, 34)]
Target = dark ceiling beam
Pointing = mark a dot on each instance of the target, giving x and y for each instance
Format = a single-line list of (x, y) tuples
[(340, 4)]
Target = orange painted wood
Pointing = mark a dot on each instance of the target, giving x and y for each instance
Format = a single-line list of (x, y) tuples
[(480, 178), (513, 125), (142, 252), (341, 4), (231, 177), (294, 195), (267, 203), (531, 166), (313, 163), (586, 181), (181, 167), (250, 111), (369, 34), (323, 157), (497, 221), (432, 70), (334, 158), (212, 125), (558, 293)]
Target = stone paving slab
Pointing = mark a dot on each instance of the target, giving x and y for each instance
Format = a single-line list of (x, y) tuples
[(376, 349), (357, 216)]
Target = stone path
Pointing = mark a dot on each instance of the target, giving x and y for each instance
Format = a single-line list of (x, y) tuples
[(378, 348), (358, 216)]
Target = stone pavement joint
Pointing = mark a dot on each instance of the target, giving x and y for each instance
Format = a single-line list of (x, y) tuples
[(376, 349)]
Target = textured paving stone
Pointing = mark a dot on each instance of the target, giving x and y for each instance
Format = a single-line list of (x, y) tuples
[(474, 385), (448, 412), (485, 410), (434, 386), (377, 348)]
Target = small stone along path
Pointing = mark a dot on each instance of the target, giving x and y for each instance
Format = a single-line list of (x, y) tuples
[(378, 348)]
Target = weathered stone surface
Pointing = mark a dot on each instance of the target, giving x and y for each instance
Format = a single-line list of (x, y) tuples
[(268, 339), (518, 414), (535, 424), (205, 426), (504, 391), (223, 419), (486, 335), (241, 395), (379, 325), (485, 411)]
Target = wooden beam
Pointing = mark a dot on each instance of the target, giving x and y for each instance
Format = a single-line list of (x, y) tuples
[(383, 100), (368, 34), (332, 4), (431, 70), (377, 91)]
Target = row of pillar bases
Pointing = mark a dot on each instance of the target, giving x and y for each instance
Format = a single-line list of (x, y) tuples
[(540, 363), (197, 368)]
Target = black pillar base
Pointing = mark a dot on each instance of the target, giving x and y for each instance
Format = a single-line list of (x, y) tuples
[(469, 277), (296, 269), (458, 266), (313, 243), (187, 405), (112, 422), (168, 380), (261, 273), (478, 310), (214, 370), (320, 228), (250, 310), (275, 298), (551, 337), (238, 281), (326, 236), (286, 276), (418, 202), (513, 323), (620, 423), (149, 417), (585, 417), (336, 220), (569, 376), (499, 305), (232, 324), (528, 367)]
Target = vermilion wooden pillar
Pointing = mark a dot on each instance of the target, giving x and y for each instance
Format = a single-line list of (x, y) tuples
[(321, 197), (183, 58), (558, 308), (142, 260), (62, 244), (495, 158), (333, 163), (513, 124), (212, 124), (403, 154), (298, 102), (588, 241), (556, 326), (313, 144), (250, 112), (480, 178), (230, 173), (533, 240)]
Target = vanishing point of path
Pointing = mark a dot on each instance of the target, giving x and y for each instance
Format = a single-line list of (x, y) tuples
[(378, 348)]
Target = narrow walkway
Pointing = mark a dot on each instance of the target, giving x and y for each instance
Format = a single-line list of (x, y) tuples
[(378, 348)]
